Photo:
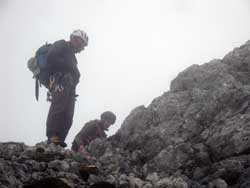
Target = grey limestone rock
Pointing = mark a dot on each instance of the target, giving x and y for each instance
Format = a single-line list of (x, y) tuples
[(196, 135)]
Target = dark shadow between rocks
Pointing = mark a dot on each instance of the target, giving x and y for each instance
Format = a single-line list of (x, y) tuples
[(103, 184), (85, 171), (48, 183)]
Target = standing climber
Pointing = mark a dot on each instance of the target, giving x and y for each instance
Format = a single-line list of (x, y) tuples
[(92, 130), (65, 75)]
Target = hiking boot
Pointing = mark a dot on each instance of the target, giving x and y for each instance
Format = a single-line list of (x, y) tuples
[(57, 141), (54, 139), (63, 144)]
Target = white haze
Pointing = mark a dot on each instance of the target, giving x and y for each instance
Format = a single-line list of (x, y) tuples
[(136, 48)]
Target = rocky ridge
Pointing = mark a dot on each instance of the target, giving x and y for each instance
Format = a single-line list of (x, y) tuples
[(197, 135)]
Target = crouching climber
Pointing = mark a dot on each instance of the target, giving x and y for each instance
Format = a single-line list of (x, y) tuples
[(92, 130)]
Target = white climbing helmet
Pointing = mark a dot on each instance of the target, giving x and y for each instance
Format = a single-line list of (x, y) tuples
[(81, 34)]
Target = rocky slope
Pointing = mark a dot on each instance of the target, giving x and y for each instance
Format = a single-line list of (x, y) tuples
[(197, 135)]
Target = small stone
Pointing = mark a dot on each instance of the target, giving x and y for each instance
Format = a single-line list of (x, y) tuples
[(219, 183), (94, 179), (64, 166), (152, 177)]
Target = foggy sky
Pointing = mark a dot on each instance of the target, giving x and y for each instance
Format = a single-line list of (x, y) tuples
[(136, 48)]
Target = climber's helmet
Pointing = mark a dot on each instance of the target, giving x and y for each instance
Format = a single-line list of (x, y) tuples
[(79, 40)]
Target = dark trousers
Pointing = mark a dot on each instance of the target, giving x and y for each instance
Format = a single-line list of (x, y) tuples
[(61, 112)]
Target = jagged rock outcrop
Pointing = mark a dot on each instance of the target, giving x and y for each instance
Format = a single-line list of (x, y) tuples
[(197, 135)]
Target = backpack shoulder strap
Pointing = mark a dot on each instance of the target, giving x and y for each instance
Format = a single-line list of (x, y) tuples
[(37, 89)]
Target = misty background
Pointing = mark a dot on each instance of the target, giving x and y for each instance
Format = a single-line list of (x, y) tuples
[(136, 47)]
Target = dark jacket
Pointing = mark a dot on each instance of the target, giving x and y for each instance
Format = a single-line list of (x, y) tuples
[(89, 132), (61, 58)]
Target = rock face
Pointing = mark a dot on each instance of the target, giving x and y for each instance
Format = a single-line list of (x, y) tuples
[(197, 135)]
